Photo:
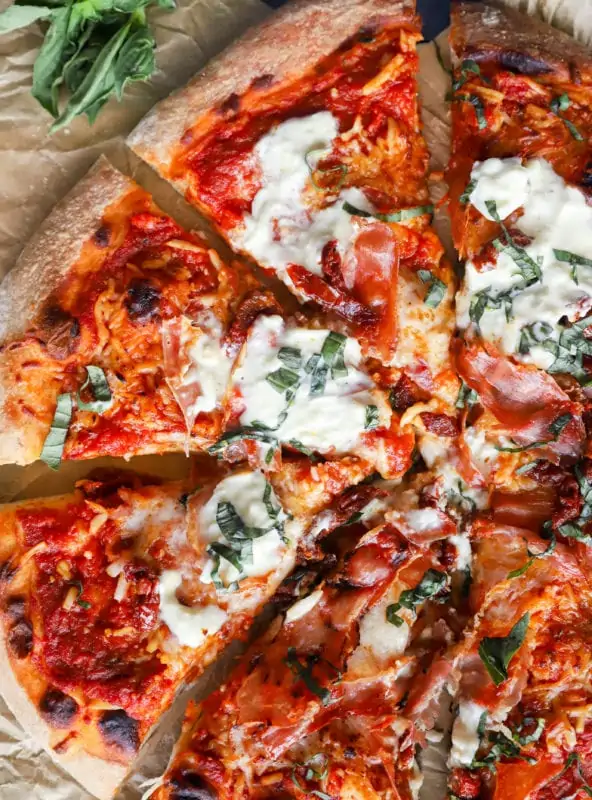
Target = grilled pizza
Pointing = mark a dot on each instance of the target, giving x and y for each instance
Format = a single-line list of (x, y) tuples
[(333, 701), (520, 184), (302, 144), (115, 596)]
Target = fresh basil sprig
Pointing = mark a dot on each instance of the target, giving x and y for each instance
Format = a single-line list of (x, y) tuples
[(92, 49), (497, 652), (432, 583), (436, 288)]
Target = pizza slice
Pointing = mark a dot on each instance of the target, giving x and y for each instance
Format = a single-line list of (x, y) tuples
[(335, 699), (302, 144), (114, 597), (118, 330), (522, 729), (520, 183)]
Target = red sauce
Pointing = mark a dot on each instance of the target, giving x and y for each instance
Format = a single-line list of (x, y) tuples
[(54, 526)]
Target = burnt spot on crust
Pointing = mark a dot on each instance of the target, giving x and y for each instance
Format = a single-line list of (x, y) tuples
[(59, 330), (6, 572), (587, 176), (20, 638), (514, 60), (119, 730), (262, 82), (58, 709), (142, 300), (15, 607), (231, 105), (367, 33), (102, 236), (188, 785)]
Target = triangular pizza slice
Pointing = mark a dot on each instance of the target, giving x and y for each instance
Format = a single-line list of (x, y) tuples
[(114, 597), (302, 144)]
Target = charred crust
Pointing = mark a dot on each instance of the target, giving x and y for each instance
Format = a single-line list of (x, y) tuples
[(20, 638), (59, 331), (119, 730), (7, 571), (142, 300), (523, 63), (262, 82), (15, 607), (187, 785), (231, 105), (58, 709), (102, 236)]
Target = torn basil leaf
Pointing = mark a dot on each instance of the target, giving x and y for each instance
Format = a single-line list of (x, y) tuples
[(549, 550), (534, 334), (432, 583), (372, 418), (99, 386), (570, 350), (562, 103), (333, 354), (496, 653), (467, 397), (467, 69), (249, 433), (574, 260), (303, 672), (403, 215), (477, 104), (436, 288), (573, 531), (283, 379), (465, 197), (53, 447), (291, 357)]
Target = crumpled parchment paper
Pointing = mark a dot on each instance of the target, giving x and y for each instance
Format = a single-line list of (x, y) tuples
[(37, 170)]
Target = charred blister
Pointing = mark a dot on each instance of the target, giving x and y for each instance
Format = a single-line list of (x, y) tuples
[(523, 63), (231, 105), (20, 638), (262, 82), (102, 236), (119, 730), (142, 300), (188, 785), (15, 607), (59, 330), (7, 572), (58, 709)]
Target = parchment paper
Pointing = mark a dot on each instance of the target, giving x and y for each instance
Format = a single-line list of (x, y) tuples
[(36, 171)]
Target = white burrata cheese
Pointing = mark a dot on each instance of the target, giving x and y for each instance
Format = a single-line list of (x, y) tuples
[(331, 422), (245, 490), (210, 366), (484, 455), (437, 455), (465, 736), (557, 217), (191, 626), (282, 228), (422, 520)]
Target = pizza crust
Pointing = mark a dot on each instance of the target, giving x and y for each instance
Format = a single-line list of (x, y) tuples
[(279, 50), (488, 31), (98, 777)]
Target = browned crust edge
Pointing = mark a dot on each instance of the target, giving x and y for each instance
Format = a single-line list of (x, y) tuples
[(489, 31), (55, 247), (286, 45), (99, 778)]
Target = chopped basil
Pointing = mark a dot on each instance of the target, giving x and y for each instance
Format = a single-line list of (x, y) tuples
[(233, 527), (333, 354), (315, 154), (53, 447), (303, 672), (79, 601), (467, 397), (549, 550), (562, 103), (533, 334), (477, 104), (432, 583), (100, 391), (372, 418), (313, 773), (250, 433), (403, 215), (575, 757), (300, 447), (555, 428), (236, 557), (569, 352), (466, 70), (269, 455), (496, 653), (465, 197), (527, 467), (502, 746), (575, 260), (291, 357), (573, 531), (283, 379), (436, 288), (529, 737), (318, 379)]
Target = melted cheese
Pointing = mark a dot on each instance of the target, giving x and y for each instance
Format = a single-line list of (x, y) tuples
[(282, 227), (331, 422), (556, 217), (436, 454), (465, 738), (210, 366), (245, 491), (302, 607), (422, 520), (483, 454), (191, 626)]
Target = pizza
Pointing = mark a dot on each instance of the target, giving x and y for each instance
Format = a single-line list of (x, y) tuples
[(308, 158), (114, 597), (333, 700)]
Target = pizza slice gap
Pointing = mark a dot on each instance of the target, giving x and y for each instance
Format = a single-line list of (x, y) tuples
[(522, 728), (335, 699), (520, 181), (301, 143), (117, 596)]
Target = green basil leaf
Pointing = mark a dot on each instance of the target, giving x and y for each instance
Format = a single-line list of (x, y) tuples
[(17, 16), (555, 428), (575, 260), (372, 418), (283, 379), (572, 531), (251, 433), (319, 377), (549, 550), (529, 269), (465, 197), (467, 68), (303, 672), (530, 737), (562, 103), (477, 104), (227, 553), (467, 397), (291, 357), (53, 447), (228, 520), (432, 583), (396, 216), (558, 425), (103, 399), (47, 69), (532, 335), (332, 353), (496, 653), (436, 288), (135, 62)]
